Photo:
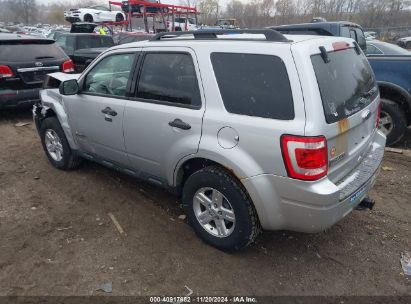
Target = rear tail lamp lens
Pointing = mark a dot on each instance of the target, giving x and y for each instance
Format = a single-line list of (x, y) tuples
[(305, 158), (68, 66), (5, 71)]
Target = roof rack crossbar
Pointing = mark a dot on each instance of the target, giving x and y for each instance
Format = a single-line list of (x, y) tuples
[(270, 35)]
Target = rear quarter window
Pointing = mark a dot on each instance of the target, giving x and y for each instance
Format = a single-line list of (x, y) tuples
[(254, 85)]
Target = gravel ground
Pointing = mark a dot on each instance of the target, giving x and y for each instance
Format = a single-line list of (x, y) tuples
[(58, 239)]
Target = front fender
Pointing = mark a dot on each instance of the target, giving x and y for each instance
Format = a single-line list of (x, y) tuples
[(52, 103)]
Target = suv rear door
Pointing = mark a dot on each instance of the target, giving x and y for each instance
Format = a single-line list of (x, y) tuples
[(344, 104), (162, 122), (30, 60)]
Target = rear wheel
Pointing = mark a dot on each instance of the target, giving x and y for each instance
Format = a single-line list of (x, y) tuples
[(88, 18), (219, 209), (55, 145), (393, 122)]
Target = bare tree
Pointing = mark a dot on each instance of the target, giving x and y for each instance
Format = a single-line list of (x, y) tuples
[(23, 10)]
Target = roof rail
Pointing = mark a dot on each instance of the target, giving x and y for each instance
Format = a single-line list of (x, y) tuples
[(270, 35)]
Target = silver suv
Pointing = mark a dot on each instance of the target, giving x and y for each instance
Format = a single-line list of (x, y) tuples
[(253, 130)]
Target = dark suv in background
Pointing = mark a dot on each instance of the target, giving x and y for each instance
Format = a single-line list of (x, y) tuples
[(82, 48), (24, 62)]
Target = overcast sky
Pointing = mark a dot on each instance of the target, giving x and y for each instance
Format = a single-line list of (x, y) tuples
[(222, 2)]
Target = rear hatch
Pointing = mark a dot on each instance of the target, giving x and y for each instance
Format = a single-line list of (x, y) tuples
[(30, 60), (350, 102), (341, 101), (83, 27)]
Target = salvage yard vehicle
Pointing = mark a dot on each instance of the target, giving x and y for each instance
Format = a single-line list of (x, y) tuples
[(24, 62), (96, 13), (82, 48), (393, 73), (252, 129)]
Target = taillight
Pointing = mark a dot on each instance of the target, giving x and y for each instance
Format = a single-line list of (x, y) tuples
[(5, 71), (377, 121), (305, 158), (68, 66)]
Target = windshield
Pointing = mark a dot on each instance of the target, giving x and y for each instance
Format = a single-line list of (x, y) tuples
[(390, 49), (346, 83)]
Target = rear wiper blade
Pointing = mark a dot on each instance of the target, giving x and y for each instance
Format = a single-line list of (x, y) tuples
[(369, 93), (44, 57)]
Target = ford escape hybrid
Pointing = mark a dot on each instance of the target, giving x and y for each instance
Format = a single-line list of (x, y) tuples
[(253, 130)]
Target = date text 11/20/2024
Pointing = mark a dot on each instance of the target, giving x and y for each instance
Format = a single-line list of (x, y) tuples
[(203, 299)]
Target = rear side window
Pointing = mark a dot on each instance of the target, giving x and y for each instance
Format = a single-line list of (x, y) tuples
[(346, 83), (94, 41), (254, 85), (170, 78), (27, 51)]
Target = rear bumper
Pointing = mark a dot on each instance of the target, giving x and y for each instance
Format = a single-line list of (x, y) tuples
[(284, 203), (16, 98)]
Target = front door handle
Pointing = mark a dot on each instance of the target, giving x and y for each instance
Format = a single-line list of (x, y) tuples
[(109, 111), (178, 123)]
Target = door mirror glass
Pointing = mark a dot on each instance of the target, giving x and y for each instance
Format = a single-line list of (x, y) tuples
[(69, 87)]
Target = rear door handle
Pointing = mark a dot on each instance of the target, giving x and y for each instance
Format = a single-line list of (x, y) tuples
[(109, 111), (178, 123)]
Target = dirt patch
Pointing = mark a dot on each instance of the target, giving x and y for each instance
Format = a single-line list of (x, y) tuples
[(57, 237)]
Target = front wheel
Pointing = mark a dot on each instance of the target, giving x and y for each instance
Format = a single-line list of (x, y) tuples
[(392, 121), (56, 146), (219, 209)]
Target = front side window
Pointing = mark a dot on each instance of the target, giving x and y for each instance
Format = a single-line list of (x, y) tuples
[(110, 76), (170, 78), (254, 85)]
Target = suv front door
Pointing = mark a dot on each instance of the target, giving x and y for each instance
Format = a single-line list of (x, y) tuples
[(162, 123), (96, 113)]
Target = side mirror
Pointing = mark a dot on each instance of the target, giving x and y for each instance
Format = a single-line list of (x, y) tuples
[(69, 87)]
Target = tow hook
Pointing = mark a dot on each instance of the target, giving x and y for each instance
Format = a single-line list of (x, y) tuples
[(366, 203)]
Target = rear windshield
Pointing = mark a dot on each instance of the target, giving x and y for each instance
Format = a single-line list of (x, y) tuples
[(254, 85), (94, 41), (346, 83), (29, 50)]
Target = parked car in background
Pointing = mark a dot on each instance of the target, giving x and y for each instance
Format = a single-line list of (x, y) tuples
[(139, 8), (96, 13), (54, 34), (128, 37), (404, 42), (269, 132), (376, 47), (393, 73), (24, 62), (340, 28), (82, 48), (182, 24)]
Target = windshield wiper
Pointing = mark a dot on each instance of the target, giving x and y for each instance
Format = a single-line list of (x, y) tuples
[(44, 57)]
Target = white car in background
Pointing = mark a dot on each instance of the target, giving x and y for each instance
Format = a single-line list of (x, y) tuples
[(96, 13), (182, 24)]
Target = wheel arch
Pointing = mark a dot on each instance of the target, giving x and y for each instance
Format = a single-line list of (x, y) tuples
[(398, 95)]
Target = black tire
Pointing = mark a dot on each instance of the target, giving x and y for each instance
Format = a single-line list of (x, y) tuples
[(119, 18), (69, 159), (88, 18), (393, 110), (408, 45), (178, 29), (246, 226)]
